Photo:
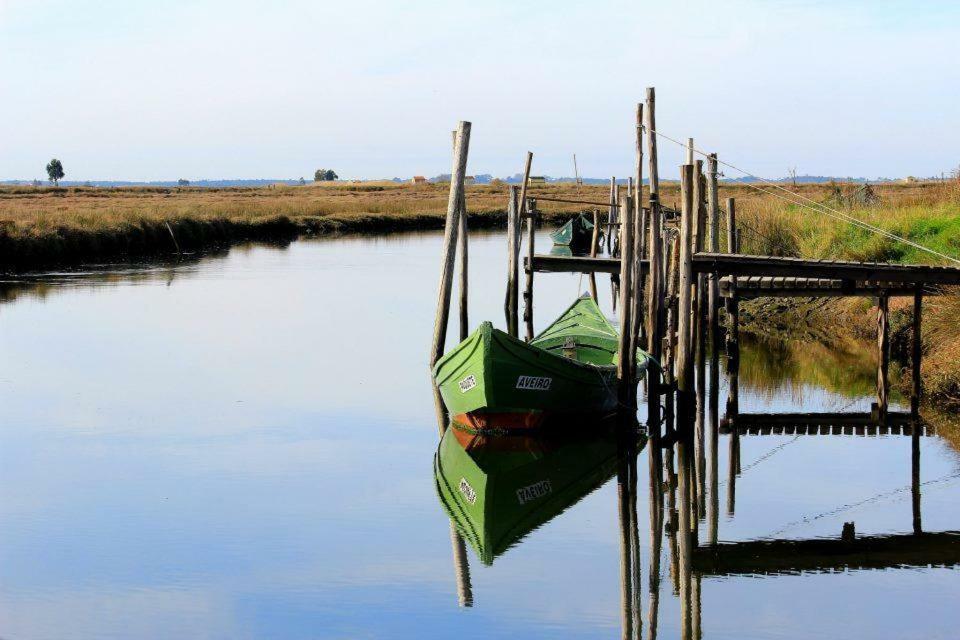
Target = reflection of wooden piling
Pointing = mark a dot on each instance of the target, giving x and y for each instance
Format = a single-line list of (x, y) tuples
[(683, 538), (461, 566), (451, 231), (917, 351), (513, 260), (685, 308), (915, 475), (656, 539), (713, 433), (626, 572)]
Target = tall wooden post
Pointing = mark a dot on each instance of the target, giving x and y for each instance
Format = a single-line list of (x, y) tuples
[(526, 213), (450, 233), (883, 347), (639, 229), (685, 309), (713, 217), (690, 153), (611, 214), (917, 351), (625, 363), (513, 257), (464, 273)]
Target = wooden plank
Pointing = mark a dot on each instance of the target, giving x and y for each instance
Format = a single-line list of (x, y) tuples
[(579, 264), (745, 265)]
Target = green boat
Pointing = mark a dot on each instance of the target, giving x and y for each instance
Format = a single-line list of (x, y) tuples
[(492, 380), (498, 489), (577, 233)]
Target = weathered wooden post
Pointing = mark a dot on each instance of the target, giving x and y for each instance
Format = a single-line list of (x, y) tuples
[(450, 233), (655, 289), (690, 151), (883, 348), (526, 213), (685, 308), (464, 273), (513, 257), (626, 361), (639, 229), (917, 351), (733, 301), (713, 216), (611, 214), (594, 241)]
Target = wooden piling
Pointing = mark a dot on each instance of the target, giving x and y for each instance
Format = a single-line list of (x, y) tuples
[(513, 259), (713, 219), (611, 214), (654, 322), (451, 231), (639, 229), (525, 213), (733, 303), (594, 242), (917, 351), (883, 355), (626, 363), (685, 309)]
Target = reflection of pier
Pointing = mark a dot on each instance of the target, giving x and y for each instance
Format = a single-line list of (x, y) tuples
[(866, 552), (823, 424)]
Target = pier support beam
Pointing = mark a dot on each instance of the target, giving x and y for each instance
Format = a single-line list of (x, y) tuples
[(526, 213), (883, 355), (917, 351)]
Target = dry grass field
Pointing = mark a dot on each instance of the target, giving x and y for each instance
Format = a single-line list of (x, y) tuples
[(41, 227)]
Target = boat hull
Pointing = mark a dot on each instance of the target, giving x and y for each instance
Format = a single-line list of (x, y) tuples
[(494, 381)]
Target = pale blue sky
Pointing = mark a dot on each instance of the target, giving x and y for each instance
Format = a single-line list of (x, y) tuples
[(211, 89)]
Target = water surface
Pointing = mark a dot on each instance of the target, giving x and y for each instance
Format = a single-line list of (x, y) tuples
[(243, 447)]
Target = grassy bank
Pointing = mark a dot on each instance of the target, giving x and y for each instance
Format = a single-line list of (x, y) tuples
[(44, 227)]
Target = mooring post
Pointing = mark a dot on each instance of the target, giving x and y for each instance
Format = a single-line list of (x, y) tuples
[(450, 233), (883, 360), (594, 241), (656, 289), (713, 216), (513, 256), (685, 309), (464, 273), (611, 215), (625, 362), (639, 230), (531, 209), (526, 213), (690, 154), (917, 351)]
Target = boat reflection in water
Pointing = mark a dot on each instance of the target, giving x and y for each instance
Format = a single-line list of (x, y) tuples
[(499, 488)]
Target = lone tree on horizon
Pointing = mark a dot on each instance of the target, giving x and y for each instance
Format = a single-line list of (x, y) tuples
[(55, 172), (324, 175)]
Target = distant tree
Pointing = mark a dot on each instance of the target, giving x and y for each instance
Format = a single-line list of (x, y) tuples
[(793, 175), (183, 182), (55, 171), (325, 175), (36, 182), (302, 181)]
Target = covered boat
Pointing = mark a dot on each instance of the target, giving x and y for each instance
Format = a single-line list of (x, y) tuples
[(577, 233), (493, 380), (497, 489)]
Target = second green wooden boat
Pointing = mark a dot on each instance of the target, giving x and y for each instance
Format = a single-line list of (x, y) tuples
[(577, 233), (493, 380)]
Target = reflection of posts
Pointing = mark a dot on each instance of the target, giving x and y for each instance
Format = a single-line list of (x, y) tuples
[(915, 475), (713, 506), (883, 356), (683, 536), (626, 563), (461, 567), (656, 538)]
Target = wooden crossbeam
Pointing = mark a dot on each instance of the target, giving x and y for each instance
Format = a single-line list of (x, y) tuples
[(771, 287), (818, 555), (578, 264), (743, 265)]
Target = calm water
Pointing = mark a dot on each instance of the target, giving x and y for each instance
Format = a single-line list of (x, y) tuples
[(243, 447)]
